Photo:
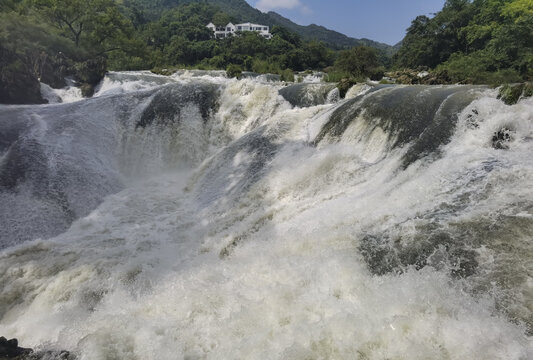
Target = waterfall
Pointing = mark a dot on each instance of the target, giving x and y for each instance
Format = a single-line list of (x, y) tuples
[(195, 216)]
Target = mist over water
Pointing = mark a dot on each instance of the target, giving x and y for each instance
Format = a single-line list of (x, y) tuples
[(201, 217)]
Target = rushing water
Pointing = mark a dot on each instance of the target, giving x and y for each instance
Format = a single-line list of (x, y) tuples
[(199, 217)]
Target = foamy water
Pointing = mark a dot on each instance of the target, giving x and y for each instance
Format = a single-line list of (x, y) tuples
[(246, 228)]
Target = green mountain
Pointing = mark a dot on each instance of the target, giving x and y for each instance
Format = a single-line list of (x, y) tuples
[(317, 32), (241, 11)]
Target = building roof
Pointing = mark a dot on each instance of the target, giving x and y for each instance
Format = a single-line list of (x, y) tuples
[(251, 24)]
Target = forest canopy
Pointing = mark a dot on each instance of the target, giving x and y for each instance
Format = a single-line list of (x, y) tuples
[(473, 41)]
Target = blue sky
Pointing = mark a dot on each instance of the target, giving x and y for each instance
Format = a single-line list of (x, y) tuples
[(380, 20)]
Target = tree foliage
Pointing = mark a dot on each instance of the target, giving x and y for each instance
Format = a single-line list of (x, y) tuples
[(95, 25), (180, 38), (473, 39), (359, 62)]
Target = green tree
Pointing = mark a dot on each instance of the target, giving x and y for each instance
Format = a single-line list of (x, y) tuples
[(89, 23), (221, 19), (286, 35), (359, 62), (472, 39)]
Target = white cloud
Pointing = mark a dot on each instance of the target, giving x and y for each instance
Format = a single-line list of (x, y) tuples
[(267, 5)]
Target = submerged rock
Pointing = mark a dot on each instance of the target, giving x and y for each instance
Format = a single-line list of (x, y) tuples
[(9, 349), (438, 249), (49, 355), (501, 138), (309, 94), (344, 85)]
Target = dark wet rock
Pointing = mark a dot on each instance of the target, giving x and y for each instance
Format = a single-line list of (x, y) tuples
[(502, 138), (49, 355), (87, 90), (54, 70), (169, 102), (344, 85), (441, 250), (89, 74), (511, 93), (22, 162), (307, 94), (422, 117), (9, 349), (528, 90), (18, 84), (226, 178), (472, 119), (20, 80)]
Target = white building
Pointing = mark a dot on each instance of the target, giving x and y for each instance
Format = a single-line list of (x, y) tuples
[(230, 30)]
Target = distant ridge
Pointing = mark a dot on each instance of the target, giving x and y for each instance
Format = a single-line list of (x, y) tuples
[(241, 11), (321, 33)]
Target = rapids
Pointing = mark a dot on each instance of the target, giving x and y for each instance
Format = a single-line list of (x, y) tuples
[(200, 217)]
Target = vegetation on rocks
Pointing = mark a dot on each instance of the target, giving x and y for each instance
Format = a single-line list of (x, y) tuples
[(511, 93), (344, 85), (423, 77), (47, 40)]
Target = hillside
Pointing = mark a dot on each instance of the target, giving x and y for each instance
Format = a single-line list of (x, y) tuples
[(241, 11), (317, 32), (473, 42)]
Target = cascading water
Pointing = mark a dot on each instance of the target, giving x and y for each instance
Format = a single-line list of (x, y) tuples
[(201, 217)]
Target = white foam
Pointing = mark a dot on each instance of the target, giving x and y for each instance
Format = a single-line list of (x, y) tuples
[(356, 90), (68, 94)]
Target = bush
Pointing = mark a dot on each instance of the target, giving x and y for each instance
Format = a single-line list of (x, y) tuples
[(336, 76), (377, 73), (218, 62), (287, 75), (234, 71), (360, 62), (475, 69), (265, 67), (511, 93), (344, 85), (91, 71)]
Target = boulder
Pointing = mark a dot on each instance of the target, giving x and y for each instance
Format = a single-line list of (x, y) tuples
[(511, 93), (18, 85), (89, 73), (415, 77), (9, 349), (344, 85), (502, 138), (54, 70)]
